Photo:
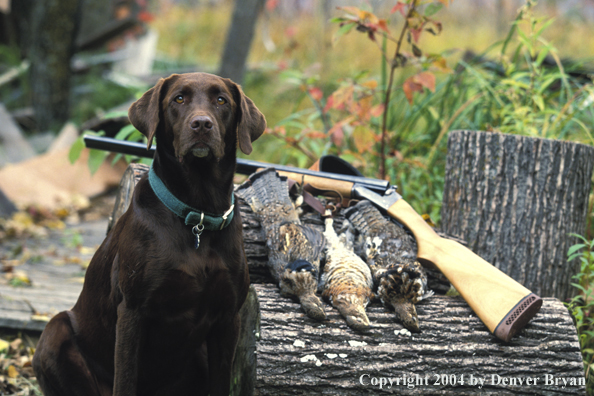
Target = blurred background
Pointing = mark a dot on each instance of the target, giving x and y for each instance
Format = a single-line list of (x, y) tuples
[(70, 66)]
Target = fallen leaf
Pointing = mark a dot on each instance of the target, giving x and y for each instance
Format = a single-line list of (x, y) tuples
[(18, 278), (12, 372), (426, 79), (77, 279), (428, 220), (40, 318), (87, 250), (15, 344), (3, 344)]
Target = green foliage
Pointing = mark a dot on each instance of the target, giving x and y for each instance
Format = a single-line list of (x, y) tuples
[(582, 306), (520, 94), (96, 157), (94, 95)]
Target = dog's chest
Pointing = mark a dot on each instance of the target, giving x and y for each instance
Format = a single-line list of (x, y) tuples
[(191, 288)]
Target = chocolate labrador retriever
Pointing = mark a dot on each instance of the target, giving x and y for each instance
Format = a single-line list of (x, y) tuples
[(158, 313)]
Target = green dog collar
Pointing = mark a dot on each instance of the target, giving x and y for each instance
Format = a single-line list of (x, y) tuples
[(194, 217)]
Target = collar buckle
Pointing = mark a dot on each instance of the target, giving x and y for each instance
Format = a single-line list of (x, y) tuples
[(225, 215)]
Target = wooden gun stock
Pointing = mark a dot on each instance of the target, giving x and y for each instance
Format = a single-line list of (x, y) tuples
[(503, 305)]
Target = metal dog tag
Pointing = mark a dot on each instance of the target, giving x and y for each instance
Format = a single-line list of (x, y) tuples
[(197, 231)]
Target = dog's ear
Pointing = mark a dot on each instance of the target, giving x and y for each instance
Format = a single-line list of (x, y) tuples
[(144, 114), (250, 121)]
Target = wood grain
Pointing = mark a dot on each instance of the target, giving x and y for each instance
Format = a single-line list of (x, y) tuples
[(516, 200), (453, 342)]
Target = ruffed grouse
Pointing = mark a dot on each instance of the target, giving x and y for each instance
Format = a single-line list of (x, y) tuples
[(346, 281), (294, 250), (400, 279)]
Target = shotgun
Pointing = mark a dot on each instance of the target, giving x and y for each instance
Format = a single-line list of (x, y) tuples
[(504, 305)]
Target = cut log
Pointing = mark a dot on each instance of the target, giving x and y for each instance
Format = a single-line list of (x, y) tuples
[(515, 200), (297, 355), (130, 178), (243, 374)]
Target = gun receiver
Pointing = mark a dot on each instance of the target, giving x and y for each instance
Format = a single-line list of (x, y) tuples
[(504, 305)]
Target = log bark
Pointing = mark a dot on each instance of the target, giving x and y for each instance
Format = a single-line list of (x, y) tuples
[(454, 342), (125, 191), (515, 200), (243, 374)]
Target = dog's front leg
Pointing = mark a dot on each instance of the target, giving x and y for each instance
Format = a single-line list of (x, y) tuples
[(221, 350), (126, 351)]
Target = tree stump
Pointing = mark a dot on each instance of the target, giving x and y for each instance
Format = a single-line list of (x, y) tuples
[(515, 200)]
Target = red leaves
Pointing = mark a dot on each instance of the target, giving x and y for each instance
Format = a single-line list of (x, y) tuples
[(315, 93), (271, 4), (399, 7), (365, 22), (417, 82), (145, 16)]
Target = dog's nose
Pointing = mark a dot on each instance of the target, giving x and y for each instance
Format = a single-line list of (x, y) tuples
[(201, 122)]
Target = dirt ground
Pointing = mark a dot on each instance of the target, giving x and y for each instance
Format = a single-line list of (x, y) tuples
[(39, 252)]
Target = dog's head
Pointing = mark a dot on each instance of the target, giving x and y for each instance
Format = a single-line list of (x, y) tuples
[(199, 115)]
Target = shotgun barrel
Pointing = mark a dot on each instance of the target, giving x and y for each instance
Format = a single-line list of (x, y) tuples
[(320, 180)]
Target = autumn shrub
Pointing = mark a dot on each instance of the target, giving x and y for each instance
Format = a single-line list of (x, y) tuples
[(395, 125)]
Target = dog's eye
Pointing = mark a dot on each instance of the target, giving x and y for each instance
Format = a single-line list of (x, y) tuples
[(179, 99), (221, 100)]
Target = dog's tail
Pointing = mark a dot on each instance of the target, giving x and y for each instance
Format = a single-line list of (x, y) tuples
[(267, 193)]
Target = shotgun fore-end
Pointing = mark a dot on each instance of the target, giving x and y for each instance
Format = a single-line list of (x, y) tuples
[(518, 317)]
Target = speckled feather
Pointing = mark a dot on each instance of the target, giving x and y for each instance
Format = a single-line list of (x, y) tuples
[(346, 281), (391, 255), (294, 250)]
